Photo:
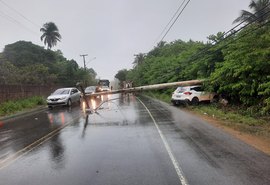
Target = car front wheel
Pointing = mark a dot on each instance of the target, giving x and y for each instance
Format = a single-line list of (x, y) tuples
[(80, 100), (69, 103)]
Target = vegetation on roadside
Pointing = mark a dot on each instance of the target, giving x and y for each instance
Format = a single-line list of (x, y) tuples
[(28, 64), (235, 64), (252, 130), (239, 120), (11, 107), (25, 63)]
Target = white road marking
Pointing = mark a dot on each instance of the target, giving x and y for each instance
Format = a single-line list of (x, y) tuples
[(176, 165)]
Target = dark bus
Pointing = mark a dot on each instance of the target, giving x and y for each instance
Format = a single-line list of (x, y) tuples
[(104, 83)]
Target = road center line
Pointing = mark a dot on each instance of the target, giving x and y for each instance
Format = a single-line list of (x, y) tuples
[(176, 165)]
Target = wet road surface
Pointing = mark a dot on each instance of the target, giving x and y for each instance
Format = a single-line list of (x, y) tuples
[(126, 141)]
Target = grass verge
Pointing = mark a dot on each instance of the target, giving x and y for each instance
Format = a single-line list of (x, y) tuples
[(244, 123), (11, 107)]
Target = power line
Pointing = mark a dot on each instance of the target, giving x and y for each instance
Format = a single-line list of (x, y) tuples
[(178, 9), (20, 14), (175, 20), (11, 19), (90, 60), (232, 30), (232, 33)]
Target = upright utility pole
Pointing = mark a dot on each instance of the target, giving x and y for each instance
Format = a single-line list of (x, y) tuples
[(84, 60)]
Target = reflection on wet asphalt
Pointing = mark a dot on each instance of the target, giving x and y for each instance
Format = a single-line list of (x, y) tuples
[(119, 144), (21, 132)]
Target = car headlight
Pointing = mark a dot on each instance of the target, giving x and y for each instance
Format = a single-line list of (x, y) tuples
[(63, 98)]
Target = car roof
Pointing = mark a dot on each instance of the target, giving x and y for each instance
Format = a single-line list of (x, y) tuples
[(190, 86), (67, 88)]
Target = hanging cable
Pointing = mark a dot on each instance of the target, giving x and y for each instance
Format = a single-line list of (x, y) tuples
[(11, 19), (232, 33), (174, 21), (20, 14), (165, 28)]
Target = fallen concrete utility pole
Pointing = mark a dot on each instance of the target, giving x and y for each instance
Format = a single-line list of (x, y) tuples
[(149, 87), (137, 89)]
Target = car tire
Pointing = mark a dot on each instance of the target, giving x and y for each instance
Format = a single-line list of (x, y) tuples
[(195, 101), (69, 103), (174, 103), (50, 107)]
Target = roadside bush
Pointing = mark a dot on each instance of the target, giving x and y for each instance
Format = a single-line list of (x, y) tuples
[(10, 107)]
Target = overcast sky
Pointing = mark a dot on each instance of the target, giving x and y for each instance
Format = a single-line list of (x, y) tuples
[(113, 30)]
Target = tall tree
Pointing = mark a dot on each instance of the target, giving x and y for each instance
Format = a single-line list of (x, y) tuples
[(50, 34), (122, 75), (260, 12), (139, 58)]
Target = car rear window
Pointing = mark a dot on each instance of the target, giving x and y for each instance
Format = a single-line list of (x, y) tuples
[(182, 89), (199, 89)]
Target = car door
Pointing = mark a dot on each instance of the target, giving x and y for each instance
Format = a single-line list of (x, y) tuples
[(197, 92), (74, 95), (204, 96)]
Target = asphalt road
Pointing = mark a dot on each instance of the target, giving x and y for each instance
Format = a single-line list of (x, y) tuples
[(128, 140)]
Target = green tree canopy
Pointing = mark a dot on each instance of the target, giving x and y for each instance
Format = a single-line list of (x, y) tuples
[(24, 53), (25, 63), (121, 75), (244, 74), (237, 67)]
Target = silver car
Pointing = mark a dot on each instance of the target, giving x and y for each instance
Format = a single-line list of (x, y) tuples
[(90, 90), (64, 96)]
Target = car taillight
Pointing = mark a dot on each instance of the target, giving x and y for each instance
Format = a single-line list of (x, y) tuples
[(187, 93)]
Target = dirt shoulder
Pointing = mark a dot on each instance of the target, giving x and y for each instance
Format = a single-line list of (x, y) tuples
[(258, 142)]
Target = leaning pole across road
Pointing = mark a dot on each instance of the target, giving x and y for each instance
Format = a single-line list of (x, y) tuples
[(137, 89), (150, 87)]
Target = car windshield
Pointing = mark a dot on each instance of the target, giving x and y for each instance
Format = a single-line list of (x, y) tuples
[(61, 91)]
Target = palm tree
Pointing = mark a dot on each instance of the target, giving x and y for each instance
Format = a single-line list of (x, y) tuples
[(50, 34), (260, 12), (139, 59)]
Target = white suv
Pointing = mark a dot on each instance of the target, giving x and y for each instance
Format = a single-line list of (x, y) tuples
[(192, 95)]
